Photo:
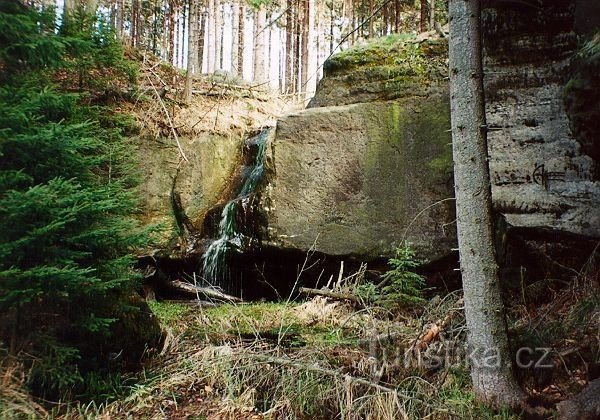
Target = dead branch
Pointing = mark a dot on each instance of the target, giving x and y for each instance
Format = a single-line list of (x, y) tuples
[(434, 330), (206, 291), (333, 295), (337, 375)]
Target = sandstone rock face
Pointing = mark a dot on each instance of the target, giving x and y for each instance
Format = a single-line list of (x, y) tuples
[(542, 177), (199, 184), (357, 180)]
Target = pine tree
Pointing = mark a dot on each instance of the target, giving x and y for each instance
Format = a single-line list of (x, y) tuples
[(66, 230)]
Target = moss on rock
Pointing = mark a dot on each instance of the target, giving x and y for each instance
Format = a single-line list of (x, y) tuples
[(382, 69)]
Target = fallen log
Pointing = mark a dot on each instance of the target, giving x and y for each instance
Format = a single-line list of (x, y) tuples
[(194, 303), (205, 291), (333, 295)]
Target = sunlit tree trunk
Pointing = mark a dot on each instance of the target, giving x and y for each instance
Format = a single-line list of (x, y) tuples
[(260, 50), (235, 38), (192, 49), (489, 357), (201, 38), (311, 82), (242, 38), (304, 41), (212, 33), (289, 47), (218, 35)]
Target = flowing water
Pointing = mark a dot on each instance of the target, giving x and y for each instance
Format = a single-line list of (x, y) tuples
[(215, 268)]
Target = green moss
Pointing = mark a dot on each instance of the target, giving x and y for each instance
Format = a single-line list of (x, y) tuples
[(415, 143), (396, 55)]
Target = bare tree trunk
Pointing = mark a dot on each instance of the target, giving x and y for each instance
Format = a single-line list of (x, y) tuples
[(372, 20), (212, 33), (120, 18), (201, 39), (298, 46), (235, 38), (242, 38), (304, 40), (311, 82), (259, 45), (192, 50), (423, 19), (289, 47), (135, 23), (491, 366), (184, 18), (218, 35), (431, 15), (397, 11)]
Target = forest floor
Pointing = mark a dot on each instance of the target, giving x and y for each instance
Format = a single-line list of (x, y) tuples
[(331, 358)]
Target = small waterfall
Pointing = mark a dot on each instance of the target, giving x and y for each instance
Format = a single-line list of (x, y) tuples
[(215, 267)]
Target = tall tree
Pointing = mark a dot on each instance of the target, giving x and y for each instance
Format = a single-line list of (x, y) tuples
[(212, 34), (289, 47), (423, 17), (260, 50), (235, 38), (242, 38), (305, 46), (192, 60), (218, 35), (489, 356)]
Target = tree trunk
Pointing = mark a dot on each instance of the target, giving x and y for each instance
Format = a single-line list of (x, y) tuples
[(119, 18), (431, 15), (423, 19), (289, 47), (242, 38), (218, 36), (311, 82), (201, 40), (235, 38), (304, 55), (489, 356), (192, 50), (397, 10), (211, 53), (260, 50)]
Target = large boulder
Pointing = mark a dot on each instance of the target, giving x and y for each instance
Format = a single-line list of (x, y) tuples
[(358, 180)]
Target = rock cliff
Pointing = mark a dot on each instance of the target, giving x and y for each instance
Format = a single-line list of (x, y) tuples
[(363, 168)]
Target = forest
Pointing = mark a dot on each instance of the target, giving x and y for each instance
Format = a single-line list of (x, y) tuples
[(299, 209)]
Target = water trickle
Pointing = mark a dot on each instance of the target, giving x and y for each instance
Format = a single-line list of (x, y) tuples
[(215, 268)]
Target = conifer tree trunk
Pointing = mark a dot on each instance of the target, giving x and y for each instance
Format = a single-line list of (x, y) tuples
[(397, 10), (304, 55), (311, 82), (201, 39), (242, 38), (235, 37), (192, 50), (218, 35), (120, 18), (289, 47), (423, 18), (488, 352), (260, 50), (211, 44)]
